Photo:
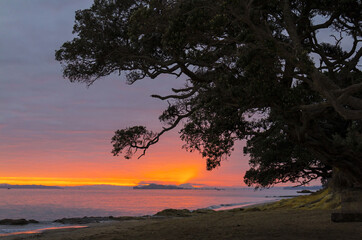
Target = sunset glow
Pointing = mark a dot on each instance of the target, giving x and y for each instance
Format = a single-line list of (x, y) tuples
[(164, 163), (167, 176), (67, 181), (53, 132), (174, 176), (179, 175)]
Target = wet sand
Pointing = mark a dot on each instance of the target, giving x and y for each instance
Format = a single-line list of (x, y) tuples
[(232, 224)]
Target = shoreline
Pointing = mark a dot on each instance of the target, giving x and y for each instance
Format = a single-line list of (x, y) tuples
[(37, 227), (40, 230), (299, 218), (170, 214), (231, 224)]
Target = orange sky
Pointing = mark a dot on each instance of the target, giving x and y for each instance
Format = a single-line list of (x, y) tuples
[(54, 132), (89, 161)]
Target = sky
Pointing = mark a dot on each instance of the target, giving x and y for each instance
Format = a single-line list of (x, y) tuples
[(54, 132)]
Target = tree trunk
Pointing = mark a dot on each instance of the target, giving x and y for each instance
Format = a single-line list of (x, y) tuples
[(347, 180), (351, 206), (346, 163)]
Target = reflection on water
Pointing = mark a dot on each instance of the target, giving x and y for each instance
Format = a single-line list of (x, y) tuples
[(39, 230), (51, 204)]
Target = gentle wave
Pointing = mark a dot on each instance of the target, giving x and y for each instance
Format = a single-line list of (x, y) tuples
[(48, 205), (216, 207), (36, 228)]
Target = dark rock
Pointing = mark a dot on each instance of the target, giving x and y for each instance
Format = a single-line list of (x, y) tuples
[(203, 210), (86, 220), (17, 221), (32, 221), (305, 191), (174, 213), (126, 218), (83, 220)]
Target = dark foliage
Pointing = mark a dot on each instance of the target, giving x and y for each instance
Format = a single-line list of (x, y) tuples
[(257, 70)]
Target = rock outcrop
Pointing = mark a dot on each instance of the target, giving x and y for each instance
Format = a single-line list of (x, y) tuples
[(21, 221)]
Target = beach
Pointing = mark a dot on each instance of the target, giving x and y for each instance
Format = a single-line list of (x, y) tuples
[(230, 224), (303, 217)]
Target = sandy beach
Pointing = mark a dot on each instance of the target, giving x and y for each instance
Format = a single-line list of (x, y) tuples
[(232, 224)]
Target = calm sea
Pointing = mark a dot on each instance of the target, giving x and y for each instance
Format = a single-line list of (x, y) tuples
[(51, 204), (46, 205)]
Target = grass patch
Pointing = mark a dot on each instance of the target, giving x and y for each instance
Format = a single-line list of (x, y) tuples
[(323, 199)]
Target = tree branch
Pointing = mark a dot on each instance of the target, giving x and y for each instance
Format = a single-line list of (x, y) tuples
[(183, 96), (157, 137)]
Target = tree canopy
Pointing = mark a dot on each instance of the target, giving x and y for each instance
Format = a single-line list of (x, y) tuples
[(262, 71)]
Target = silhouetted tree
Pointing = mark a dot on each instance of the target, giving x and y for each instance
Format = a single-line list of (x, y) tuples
[(257, 70)]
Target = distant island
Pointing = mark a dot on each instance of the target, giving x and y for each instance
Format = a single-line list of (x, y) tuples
[(303, 188), (157, 186), (10, 186), (182, 186)]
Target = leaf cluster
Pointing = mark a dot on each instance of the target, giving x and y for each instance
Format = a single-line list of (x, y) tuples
[(256, 71)]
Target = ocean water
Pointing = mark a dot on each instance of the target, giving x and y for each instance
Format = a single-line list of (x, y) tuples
[(46, 205), (51, 204)]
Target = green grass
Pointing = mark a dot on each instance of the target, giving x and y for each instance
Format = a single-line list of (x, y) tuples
[(323, 199)]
